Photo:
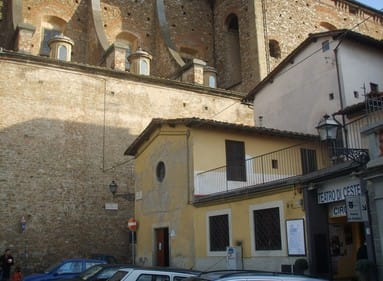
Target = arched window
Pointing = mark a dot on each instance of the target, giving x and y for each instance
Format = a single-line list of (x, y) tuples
[(327, 26), (232, 53), (274, 49), (212, 81), (144, 69), (50, 27), (128, 42), (62, 53)]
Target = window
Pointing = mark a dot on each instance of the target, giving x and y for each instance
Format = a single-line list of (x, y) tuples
[(212, 82), (144, 68), (160, 171), (274, 49), (267, 229), (325, 46), (153, 277), (274, 164), (128, 52), (356, 94), (218, 231), (309, 160), (331, 96), (374, 88), (235, 160), (70, 267), (48, 34), (62, 53)]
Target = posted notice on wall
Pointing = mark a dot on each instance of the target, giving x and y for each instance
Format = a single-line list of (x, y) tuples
[(296, 237)]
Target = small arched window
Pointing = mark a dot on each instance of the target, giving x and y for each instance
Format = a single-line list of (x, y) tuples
[(62, 53), (274, 49), (144, 69), (327, 26)]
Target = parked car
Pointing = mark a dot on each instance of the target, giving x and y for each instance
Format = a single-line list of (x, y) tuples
[(105, 257), (68, 268), (98, 272), (152, 274), (250, 275)]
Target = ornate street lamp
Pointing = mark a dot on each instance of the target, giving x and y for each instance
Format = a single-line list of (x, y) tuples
[(327, 128)]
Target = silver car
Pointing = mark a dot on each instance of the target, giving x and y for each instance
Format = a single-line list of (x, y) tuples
[(152, 274), (250, 275)]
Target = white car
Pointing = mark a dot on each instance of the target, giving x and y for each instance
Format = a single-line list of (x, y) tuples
[(152, 274), (250, 275)]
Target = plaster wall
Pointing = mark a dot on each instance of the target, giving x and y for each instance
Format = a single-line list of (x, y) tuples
[(359, 66), (241, 229), (299, 94)]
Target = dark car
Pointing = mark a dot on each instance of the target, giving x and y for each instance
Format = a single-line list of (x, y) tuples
[(65, 269), (99, 272)]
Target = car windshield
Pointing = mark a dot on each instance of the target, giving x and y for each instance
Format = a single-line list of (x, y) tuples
[(90, 272), (118, 276), (52, 267)]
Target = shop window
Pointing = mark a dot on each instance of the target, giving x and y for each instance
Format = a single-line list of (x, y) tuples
[(235, 160), (218, 231), (267, 229)]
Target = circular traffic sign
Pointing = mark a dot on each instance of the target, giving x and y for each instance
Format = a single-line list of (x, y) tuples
[(132, 224)]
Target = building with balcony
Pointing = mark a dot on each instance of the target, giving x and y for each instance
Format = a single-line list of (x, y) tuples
[(189, 211)]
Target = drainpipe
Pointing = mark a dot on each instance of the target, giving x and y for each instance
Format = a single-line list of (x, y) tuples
[(340, 92)]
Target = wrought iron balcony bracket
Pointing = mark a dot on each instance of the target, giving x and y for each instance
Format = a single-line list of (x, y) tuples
[(360, 156)]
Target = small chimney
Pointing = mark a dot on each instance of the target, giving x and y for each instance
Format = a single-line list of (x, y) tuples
[(140, 62), (61, 47)]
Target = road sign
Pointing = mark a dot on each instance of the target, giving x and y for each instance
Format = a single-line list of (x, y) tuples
[(132, 224)]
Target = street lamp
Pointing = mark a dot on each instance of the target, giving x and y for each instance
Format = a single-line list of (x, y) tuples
[(113, 186), (327, 128)]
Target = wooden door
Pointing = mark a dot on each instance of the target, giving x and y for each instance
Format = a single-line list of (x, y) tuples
[(162, 246)]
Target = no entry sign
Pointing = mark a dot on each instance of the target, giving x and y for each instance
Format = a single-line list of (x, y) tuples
[(132, 224)]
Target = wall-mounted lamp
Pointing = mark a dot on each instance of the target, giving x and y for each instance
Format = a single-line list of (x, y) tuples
[(327, 128), (113, 189), (23, 224)]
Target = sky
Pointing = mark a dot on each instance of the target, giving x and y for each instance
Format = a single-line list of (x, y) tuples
[(377, 4)]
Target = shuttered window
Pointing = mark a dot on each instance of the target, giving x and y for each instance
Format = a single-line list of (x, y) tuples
[(235, 160)]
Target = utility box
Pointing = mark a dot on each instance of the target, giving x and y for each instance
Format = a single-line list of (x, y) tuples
[(234, 258)]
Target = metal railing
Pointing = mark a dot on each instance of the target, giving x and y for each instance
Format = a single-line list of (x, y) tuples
[(295, 160), (277, 165)]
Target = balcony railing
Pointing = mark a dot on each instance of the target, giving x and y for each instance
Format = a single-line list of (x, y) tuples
[(277, 165), (295, 160)]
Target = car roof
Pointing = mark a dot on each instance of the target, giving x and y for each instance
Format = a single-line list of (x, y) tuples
[(160, 268), (234, 274)]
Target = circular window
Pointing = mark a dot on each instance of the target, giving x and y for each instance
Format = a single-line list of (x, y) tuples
[(160, 171)]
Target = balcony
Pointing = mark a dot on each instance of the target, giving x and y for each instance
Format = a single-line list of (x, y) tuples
[(298, 160)]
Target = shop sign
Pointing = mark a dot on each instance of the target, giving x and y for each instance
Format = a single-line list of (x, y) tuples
[(337, 210), (356, 208), (338, 190)]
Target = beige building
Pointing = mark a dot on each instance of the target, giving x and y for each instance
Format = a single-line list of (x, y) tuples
[(189, 211)]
